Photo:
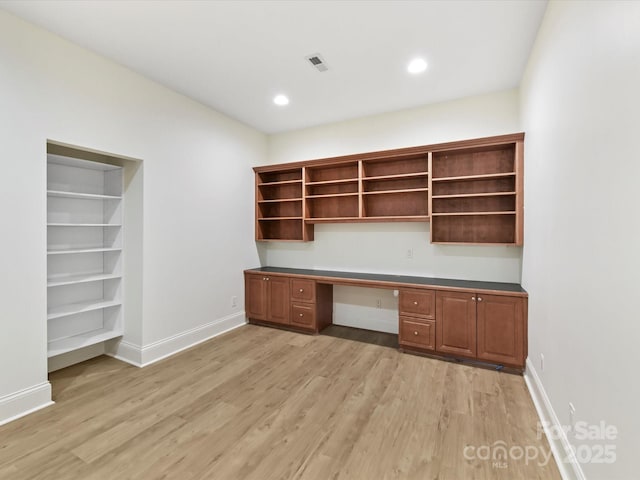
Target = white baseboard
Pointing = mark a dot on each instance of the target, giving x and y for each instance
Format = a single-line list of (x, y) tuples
[(142, 356), (569, 468), (24, 402)]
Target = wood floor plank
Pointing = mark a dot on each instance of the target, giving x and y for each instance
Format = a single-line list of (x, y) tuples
[(267, 404)]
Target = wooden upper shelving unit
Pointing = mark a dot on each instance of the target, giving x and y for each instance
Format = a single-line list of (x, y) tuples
[(471, 191)]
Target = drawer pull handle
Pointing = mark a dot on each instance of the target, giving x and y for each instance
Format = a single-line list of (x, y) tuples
[(415, 333), (301, 290), (415, 303)]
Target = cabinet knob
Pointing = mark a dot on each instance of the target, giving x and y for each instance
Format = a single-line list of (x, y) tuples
[(267, 278), (479, 299), (302, 314), (415, 303), (301, 290), (415, 333), (473, 298)]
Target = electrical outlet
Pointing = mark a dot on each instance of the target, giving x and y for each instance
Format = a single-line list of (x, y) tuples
[(542, 362), (234, 301), (572, 418), (379, 303), (410, 253)]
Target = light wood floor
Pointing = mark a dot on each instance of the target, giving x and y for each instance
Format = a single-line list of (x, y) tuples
[(260, 403)]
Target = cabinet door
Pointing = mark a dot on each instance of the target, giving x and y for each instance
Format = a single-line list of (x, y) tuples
[(278, 311), (501, 329), (255, 288), (456, 323)]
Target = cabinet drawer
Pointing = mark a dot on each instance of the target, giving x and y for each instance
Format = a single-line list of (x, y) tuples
[(420, 334), (303, 315), (303, 290), (418, 303)]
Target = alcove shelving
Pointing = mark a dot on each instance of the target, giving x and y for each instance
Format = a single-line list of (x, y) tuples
[(84, 253)]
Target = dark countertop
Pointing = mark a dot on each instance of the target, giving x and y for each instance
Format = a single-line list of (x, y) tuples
[(409, 280)]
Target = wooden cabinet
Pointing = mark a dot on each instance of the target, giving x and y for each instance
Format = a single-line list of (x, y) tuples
[(417, 310), (464, 322), (486, 327), (501, 335), (299, 303), (267, 298), (456, 323), (471, 191)]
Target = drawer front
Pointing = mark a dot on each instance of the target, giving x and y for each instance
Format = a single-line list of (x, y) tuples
[(303, 290), (418, 303), (420, 334), (303, 315)]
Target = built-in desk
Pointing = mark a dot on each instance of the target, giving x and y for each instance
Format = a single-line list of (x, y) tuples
[(471, 320)]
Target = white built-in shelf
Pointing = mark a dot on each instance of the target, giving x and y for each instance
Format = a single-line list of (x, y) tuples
[(84, 216), (74, 308), (68, 344), (82, 250), (74, 279), (85, 196), (84, 224)]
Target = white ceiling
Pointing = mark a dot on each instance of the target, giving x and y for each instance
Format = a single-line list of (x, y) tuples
[(236, 55)]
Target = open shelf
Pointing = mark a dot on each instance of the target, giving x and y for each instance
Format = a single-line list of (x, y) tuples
[(86, 278), (282, 182), (82, 250), (333, 182), (84, 224), (81, 307), (464, 188), (69, 344), (396, 176), (406, 190), (465, 178), (471, 195), (84, 261), (467, 214), (332, 195), (83, 196), (280, 200)]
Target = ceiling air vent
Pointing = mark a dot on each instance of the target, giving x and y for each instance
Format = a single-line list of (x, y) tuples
[(318, 62)]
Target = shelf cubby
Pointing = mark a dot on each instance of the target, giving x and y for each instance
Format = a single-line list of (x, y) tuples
[(397, 204), (344, 206), (494, 229)]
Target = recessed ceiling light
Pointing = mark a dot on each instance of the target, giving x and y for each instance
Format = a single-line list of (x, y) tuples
[(281, 100), (417, 65)]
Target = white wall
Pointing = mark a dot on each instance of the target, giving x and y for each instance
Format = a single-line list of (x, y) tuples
[(383, 247), (580, 105), (198, 191)]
